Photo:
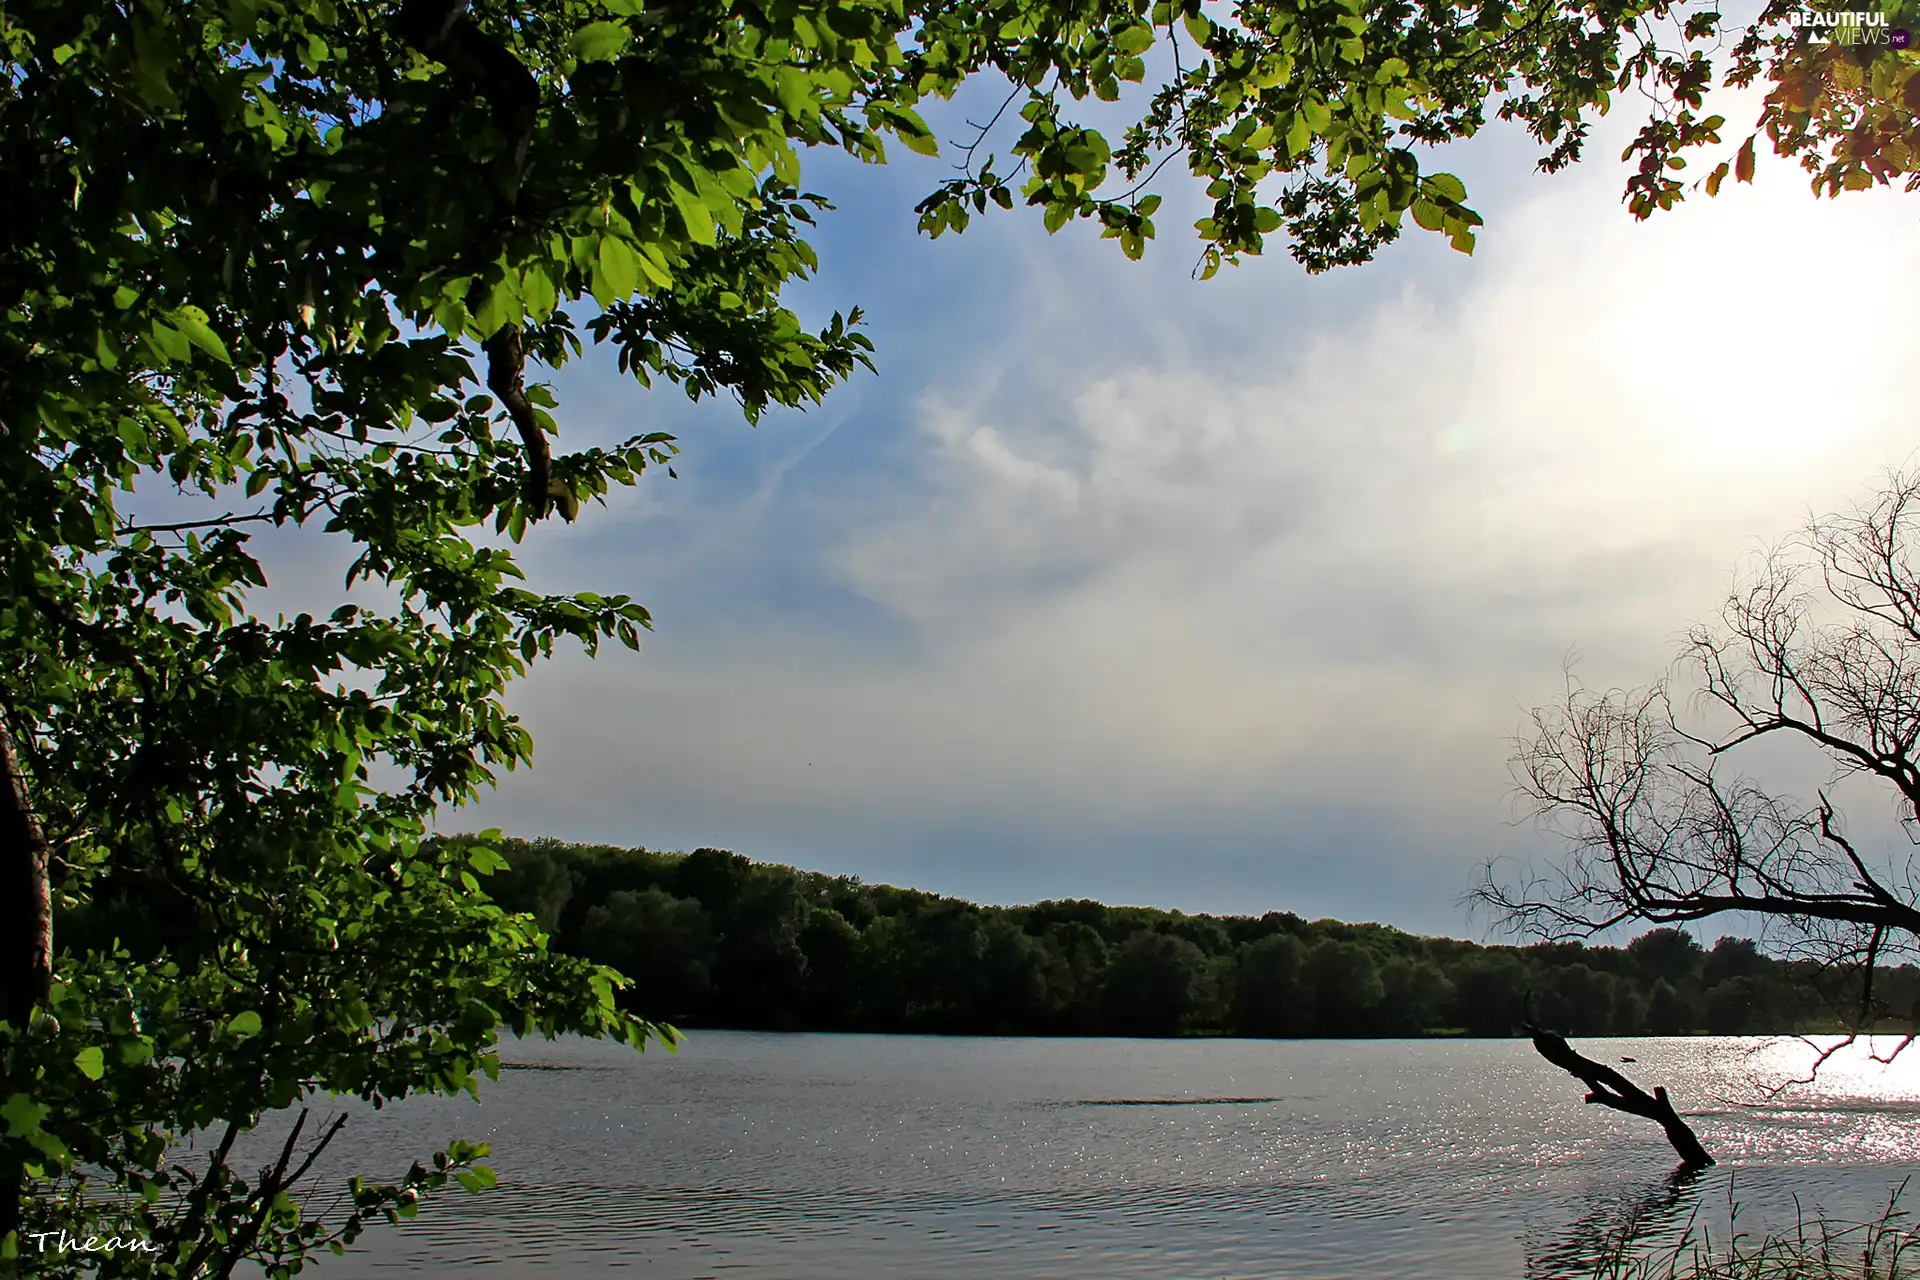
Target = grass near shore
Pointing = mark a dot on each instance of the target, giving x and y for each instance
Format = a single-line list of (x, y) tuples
[(1887, 1248)]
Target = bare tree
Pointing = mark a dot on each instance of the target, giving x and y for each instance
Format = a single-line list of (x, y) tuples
[(1819, 645)]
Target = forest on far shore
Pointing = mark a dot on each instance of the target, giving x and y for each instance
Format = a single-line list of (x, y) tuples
[(713, 939)]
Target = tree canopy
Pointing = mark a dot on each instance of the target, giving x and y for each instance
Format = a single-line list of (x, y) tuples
[(303, 264), (713, 939)]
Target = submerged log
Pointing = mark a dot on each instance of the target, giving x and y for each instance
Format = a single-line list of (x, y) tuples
[(1611, 1089)]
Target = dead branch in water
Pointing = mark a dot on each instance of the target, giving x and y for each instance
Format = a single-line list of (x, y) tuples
[(1611, 1089)]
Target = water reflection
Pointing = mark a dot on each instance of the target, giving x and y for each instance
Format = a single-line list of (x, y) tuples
[(862, 1158), (1655, 1218)]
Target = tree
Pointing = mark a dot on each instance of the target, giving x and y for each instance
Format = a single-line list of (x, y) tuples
[(1021, 979), (1084, 955), (1731, 958), (1820, 647), (1490, 994), (662, 943), (1344, 981), (1845, 107), (537, 881), (1669, 954), (1732, 1007), (1155, 983), (760, 966), (1414, 997), (1269, 998), (306, 261), (1583, 1002), (1669, 1013), (714, 877), (832, 947)]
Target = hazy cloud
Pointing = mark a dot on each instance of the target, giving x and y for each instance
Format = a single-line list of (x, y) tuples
[(1089, 604)]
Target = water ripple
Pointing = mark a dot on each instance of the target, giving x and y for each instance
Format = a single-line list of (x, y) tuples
[(858, 1158)]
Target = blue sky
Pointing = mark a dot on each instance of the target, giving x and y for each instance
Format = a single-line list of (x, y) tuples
[(1224, 596)]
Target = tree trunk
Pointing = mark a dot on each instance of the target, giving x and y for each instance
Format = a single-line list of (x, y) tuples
[(1611, 1089), (26, 930), (26, 899)]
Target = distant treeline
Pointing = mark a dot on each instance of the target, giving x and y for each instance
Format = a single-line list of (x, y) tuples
[(713, 939)]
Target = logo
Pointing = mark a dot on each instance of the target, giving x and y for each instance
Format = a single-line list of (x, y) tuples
[(65, 1243), (1850, 27)]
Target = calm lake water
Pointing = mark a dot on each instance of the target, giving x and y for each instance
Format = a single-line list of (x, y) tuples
[(857, 1157)]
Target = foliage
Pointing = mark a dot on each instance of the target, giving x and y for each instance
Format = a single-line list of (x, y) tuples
[(1843, 103), (297, 261), (879, 958)]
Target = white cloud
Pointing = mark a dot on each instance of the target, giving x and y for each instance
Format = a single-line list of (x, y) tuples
[(1329, 567)]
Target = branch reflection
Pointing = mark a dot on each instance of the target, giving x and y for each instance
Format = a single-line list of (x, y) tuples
[(1655, 1217)]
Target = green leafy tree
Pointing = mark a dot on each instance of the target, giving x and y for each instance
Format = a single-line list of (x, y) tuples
[(306, 262), (1669, 1012), (1085, 956), (1667, 953), (1490, 993), (833, 982), (665, 944), (1733, 1007), (537, 881), (1733, 957), (1582, 1000), (1156, 983), (1343, 980), (1021, 979), (1414, 997), (761, 967), (714, 877), (1629, 1010)]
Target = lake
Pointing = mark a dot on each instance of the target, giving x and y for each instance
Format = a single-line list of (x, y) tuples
[(856, 1157)]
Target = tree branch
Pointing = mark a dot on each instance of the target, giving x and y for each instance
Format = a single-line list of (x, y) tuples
[(1611, 1089), (506, 364)]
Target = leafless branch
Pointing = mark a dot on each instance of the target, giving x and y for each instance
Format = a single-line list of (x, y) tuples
[(1819, 644)]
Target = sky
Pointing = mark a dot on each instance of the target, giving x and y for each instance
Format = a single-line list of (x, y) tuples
[(1225, 596)]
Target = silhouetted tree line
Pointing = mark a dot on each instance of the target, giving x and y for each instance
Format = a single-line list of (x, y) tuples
[(711, 938)]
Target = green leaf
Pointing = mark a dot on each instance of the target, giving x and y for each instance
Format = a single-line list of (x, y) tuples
[(795, 90), (913, 131), (23, 1115), (244, 1024), (1299, 136), (694, 215), (619, 271), (92, 1062), (1447, 187), (537, 292), (599, 41), (1271, 71), (192, 321), (1133, 40)]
